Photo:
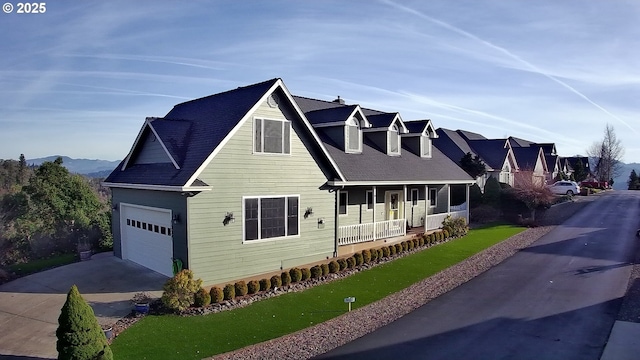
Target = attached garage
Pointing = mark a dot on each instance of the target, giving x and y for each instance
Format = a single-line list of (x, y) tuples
[(147, 237)]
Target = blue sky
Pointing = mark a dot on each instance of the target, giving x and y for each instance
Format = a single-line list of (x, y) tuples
[(80, 79)]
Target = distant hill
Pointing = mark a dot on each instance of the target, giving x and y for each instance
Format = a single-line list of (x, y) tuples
[(89, 167)]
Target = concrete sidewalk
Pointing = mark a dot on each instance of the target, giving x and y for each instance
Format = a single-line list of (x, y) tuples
[(624, 342), (30, 306)]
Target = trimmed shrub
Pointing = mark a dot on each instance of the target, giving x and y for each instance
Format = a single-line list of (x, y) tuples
[(296, 275), (79, 334), (351, 262), (316, 272), (457, 226), (179, 290), (229, 292), (253, 287), (410, 245), (447, 228), (265, 284), (342, 263), (366, 256), (392, 250), (306, 274), (421, 240), (216, 295), (276, 281), (201, 298), (334, 267), (374, 254), (398, 248), (445, 234), (405, 245), (380, 253), (385, 251), (358, 258), (241, 288), (286, 278), (325, 269)]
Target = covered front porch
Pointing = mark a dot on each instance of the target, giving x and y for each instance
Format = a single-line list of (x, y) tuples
[(368, 214)]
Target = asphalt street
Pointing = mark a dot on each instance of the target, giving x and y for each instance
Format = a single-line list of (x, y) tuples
[(557, 299)]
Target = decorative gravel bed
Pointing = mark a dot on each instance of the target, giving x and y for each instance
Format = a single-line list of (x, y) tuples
[(323, 337)]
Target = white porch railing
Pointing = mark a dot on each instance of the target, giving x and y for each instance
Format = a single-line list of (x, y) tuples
[(353, 234), (434, 221), (460, 207)]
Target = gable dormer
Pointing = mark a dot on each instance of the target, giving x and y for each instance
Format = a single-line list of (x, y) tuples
[(385, 132), (343, 124), (418, 140)]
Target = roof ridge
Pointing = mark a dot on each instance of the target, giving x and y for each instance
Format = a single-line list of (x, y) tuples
[(229, 91)]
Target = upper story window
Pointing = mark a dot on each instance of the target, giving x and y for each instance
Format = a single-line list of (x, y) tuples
[(425, 147), (353, 136), (271, 136), (393, 141)]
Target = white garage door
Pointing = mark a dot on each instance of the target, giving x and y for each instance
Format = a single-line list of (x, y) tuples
[(147, 237)]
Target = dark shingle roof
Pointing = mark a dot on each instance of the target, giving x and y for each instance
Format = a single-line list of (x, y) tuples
[(491, 151), (381, 120), (451, 144), (320, 116), (526, 157), (416, 126), (191, 131), (374, 165)]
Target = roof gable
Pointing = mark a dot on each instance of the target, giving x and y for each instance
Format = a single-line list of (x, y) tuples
[(421, 127), (194, 132)]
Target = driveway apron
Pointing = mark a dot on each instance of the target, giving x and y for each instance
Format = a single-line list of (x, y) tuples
[(30, 306)]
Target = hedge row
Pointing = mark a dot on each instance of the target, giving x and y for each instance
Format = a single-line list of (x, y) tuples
[(367, 256)]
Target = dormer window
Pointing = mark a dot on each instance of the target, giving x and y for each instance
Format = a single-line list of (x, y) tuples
[(425, 147), (393, 140), (353, 136)]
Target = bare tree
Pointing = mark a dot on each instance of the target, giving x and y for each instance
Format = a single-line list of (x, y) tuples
[(607, 154)]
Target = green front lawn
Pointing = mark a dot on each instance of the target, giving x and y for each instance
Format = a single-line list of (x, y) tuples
[(196, 337), (35, 266)]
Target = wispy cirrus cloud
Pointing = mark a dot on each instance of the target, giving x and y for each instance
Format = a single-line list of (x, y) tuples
[(531, 67)]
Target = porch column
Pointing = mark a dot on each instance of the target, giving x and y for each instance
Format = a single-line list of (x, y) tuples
[(375, 196), (468, 204), (448, 198), (426, 206), (404, 206), (337, 222)]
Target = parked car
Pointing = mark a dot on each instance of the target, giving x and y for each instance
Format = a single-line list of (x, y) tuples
[(565, 188)]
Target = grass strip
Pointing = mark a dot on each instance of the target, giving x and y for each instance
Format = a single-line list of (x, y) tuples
[(38, 265), (196, 337)]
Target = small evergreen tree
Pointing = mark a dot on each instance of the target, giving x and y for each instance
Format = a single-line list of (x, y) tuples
[(79, 335), (634, 181)]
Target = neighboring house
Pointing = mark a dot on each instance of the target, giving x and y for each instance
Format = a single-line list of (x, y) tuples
[(496, 154), (253, 180), (569, 165), (532, 166), (534, 161)]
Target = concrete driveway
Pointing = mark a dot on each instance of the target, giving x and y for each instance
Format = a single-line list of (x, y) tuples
[(30, 306)]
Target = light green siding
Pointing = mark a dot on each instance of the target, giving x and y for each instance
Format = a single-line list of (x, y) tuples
[(173, 201), (216, 251)]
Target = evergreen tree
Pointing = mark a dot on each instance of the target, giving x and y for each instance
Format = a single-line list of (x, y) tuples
[(634, 181), (473, 165), (79, 334), (492, 191), (475, 195), (579, 172)]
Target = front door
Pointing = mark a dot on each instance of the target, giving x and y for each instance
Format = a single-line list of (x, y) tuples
[(393, 200)]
